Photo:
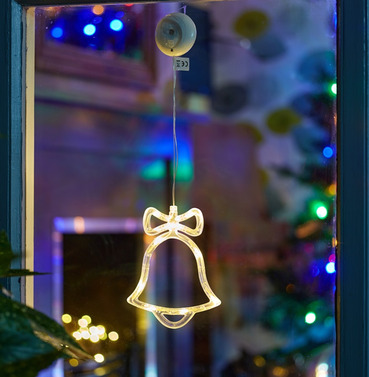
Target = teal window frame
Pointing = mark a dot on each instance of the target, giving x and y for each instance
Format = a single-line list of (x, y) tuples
[(352, 144)]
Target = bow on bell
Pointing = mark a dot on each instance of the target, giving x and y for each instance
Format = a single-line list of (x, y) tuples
[(172, 221)]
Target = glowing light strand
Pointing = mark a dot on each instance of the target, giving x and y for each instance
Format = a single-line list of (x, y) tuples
[(173, 229)]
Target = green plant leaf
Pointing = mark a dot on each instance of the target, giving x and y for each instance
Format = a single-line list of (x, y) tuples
[(30, 341), (20, 272)]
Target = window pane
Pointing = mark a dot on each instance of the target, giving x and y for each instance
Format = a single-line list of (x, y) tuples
[(255, 126)]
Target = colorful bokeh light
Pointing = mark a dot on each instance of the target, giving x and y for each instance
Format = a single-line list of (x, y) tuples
[(321, 212), (57, 32), (89, 29), (66, 318), (113, 336), (99, 358), (310, 318), (332, 258), (98, 10), (334, 88), (87, 318), (82, 322), (330, 268), (116, 25), (328, 152)]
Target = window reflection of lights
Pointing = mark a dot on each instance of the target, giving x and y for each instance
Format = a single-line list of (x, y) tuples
[(99, 358)]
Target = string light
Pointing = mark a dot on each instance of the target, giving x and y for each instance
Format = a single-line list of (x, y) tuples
[(113, 336), (98, 10), (77, 335), (73, 362), (94, 338), (321, 370), (328, 152), (85, 334), (332, 189), (87, 318), (82, 322), (310, 318), (57, 32), (89, 29), (99, 358), (330, 268), (116, 25), (66, 318), (332, 258)]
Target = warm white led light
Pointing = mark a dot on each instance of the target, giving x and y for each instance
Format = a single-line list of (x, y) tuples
[(173, 229)]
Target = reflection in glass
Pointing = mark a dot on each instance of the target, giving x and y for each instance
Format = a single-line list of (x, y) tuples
[(256, 133), (112, 29)]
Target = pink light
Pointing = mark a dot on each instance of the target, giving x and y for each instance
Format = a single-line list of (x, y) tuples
[(332, 258)]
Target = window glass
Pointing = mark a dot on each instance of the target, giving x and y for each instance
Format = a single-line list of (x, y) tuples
[(255, 128)]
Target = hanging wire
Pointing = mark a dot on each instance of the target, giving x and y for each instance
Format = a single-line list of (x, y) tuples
[(175, 144)]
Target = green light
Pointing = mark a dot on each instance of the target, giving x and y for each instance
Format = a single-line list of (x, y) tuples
[(334, 88), (321, 212), (319, 209), (310, 318)]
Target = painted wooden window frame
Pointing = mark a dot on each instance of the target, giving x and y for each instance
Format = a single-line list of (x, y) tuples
[(16, 161)]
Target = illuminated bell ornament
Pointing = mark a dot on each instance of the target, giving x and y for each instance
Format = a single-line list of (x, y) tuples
[(175, 34), (173, 229)]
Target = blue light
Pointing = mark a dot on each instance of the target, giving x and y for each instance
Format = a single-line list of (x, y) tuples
[(57, 32), (116, 25), (330, 268), (328, 152), (89, 29)]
